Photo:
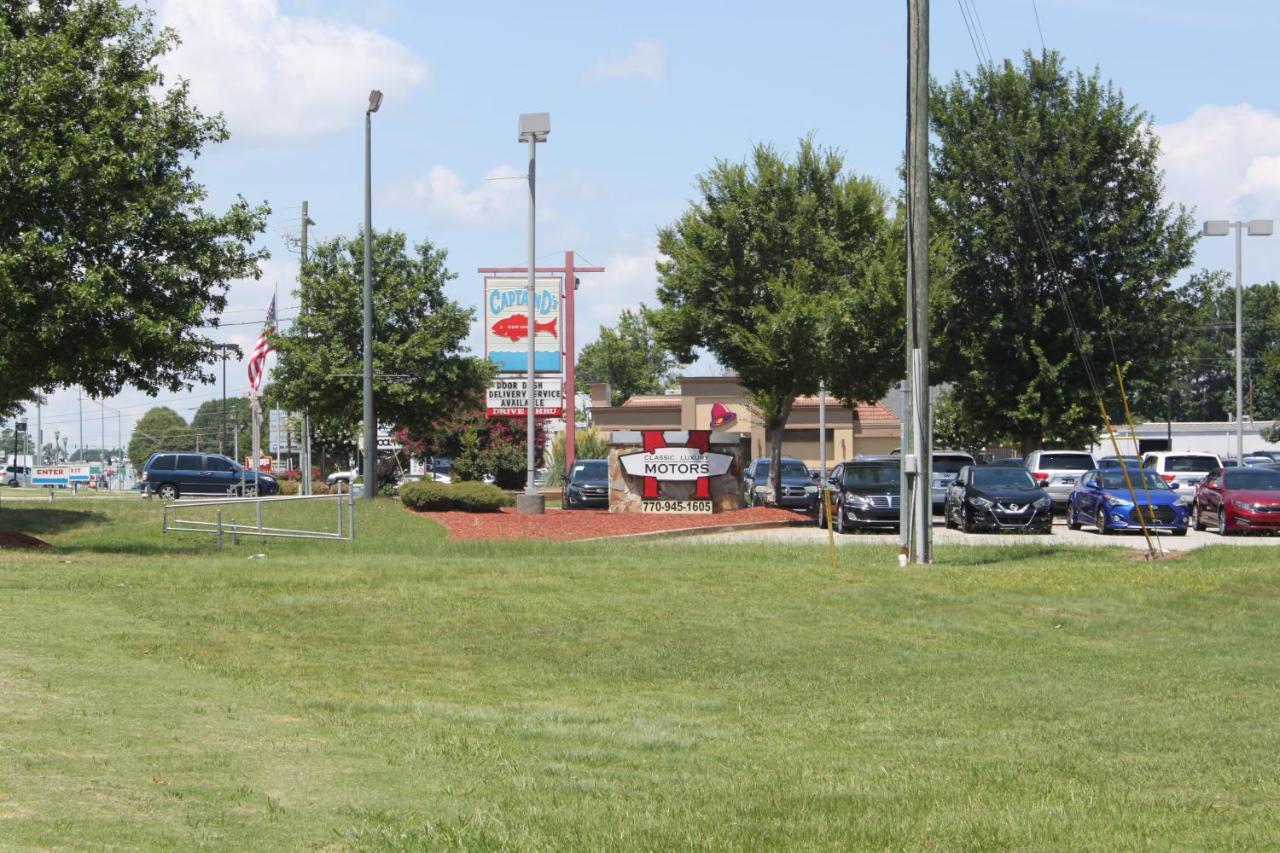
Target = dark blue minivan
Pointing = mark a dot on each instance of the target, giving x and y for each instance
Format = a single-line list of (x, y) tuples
[(172, 475)]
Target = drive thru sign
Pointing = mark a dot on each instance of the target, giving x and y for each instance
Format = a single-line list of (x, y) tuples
[(508, 397)]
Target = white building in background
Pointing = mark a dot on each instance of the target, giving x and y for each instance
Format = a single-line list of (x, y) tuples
[(1212, 437)]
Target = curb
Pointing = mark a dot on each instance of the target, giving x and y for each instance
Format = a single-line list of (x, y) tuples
[(681, 532)]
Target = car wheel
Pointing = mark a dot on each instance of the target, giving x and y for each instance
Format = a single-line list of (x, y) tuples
[(1196, 521), (249, 492), (1100, 521), (966, 521), (840, 528), (168, 492), (822, 515), (1222, 522), (1073, 516), (1180, 531), (946, 517)]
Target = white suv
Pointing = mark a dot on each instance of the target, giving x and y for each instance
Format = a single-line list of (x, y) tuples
[(1186, 468), (1058, 471)]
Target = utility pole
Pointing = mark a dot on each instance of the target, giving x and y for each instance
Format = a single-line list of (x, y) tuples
[(80, 407), (102, 432), (916, 515), (306, 413), (39, 437)]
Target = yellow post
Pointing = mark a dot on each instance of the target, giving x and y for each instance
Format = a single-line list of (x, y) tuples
[(831, 533)]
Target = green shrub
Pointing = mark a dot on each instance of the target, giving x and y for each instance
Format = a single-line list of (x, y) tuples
[(289, 487), (428, 496)]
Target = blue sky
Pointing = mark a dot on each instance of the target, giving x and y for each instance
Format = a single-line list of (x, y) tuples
[(642, 98)]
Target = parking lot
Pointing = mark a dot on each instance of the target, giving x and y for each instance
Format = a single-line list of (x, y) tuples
[(941, 536)]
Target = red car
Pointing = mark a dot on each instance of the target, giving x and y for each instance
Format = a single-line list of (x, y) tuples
[(1238, 499)]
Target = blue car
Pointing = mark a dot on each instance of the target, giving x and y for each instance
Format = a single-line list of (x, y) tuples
[(1102, 498)]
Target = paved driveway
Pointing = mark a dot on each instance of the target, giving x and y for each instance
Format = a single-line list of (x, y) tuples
[(942, 536)]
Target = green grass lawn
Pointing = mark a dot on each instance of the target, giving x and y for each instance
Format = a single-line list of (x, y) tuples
[(405, 693)]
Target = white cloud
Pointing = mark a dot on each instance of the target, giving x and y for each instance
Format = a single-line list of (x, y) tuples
[(502, 195), (628, 280), (279, 77), (646, 60), (1224, 161)]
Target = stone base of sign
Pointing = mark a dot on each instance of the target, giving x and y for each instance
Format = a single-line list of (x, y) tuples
[(726, 491), (531, 504)]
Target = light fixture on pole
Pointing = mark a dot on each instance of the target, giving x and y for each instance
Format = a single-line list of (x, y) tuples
[(370, 425), (1255, 228), (534, 128)]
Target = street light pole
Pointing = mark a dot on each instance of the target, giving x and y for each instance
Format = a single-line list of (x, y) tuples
[(534, 128), (1255, 228), (370, 424)]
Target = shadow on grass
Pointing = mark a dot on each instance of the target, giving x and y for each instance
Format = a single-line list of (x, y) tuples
[(968, 555), (40, 521)]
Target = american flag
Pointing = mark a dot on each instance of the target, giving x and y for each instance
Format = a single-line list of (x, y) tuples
[(263, 348)]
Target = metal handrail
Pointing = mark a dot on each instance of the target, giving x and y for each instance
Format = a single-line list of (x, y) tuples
[(219, 528)]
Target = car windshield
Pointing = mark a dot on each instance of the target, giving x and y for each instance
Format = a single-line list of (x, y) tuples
[(1191, 464), (591, 469), (870, 475), (950, 464), (1146, 479), (1064, 462), (1254, 478), (1002, 478)]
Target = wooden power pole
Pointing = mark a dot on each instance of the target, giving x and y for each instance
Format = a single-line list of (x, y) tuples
[(916, 515)]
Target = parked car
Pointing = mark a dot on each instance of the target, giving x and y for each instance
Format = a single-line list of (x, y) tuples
[(1008, 462), (864, 493), (996, 497), (172, 475), (798, 489), (14, 475), (1103, 498), (587, 485), (1238, 499), (342, 477), (1253, 459), (1058, 471), (1185, 469), (1133, 463), (946, 467)]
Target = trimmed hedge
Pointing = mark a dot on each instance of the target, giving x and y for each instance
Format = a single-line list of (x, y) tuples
[(429, 496)]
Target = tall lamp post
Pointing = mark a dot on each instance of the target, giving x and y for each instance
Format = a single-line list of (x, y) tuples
[(370, 425), (1255, 228), (534, 128), (222, 428)]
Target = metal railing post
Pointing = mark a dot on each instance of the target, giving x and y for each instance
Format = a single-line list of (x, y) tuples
[(351, 516), (164, 516), (257, 505), (219, 534)]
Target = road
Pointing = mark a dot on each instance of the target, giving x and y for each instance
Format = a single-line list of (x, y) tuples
[(941, 536)]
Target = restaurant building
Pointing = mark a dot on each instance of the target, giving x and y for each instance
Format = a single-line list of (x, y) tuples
[(719, 403)]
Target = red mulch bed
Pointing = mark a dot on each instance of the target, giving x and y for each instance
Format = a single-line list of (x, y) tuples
[(565, 525), (21, 540)]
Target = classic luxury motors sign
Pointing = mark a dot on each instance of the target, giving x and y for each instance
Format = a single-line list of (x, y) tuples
[(676, 456)]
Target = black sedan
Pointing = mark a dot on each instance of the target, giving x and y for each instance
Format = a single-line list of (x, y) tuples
[(986, 497), (864, 494)]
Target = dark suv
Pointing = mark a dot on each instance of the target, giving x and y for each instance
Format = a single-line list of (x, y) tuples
[(172, 475), (798, 489), (588, 484), (864, 493)]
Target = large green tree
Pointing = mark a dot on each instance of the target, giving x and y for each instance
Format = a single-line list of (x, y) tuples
[(422, 372), (1047, 187), (109, 263), (790, 273), (161, 428), (628, 357), (207, 426)]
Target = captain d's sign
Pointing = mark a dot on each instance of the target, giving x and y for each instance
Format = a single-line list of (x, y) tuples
[(677, 455)]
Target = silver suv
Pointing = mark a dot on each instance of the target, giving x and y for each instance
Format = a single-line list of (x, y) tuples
[(1058, 471), (946, 467), (1185, 468)]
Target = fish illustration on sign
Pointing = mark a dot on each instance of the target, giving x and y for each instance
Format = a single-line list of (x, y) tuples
[(516, 327)]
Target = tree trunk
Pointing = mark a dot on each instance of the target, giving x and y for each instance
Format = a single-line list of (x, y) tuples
[(1030, 443), (776, 432)]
